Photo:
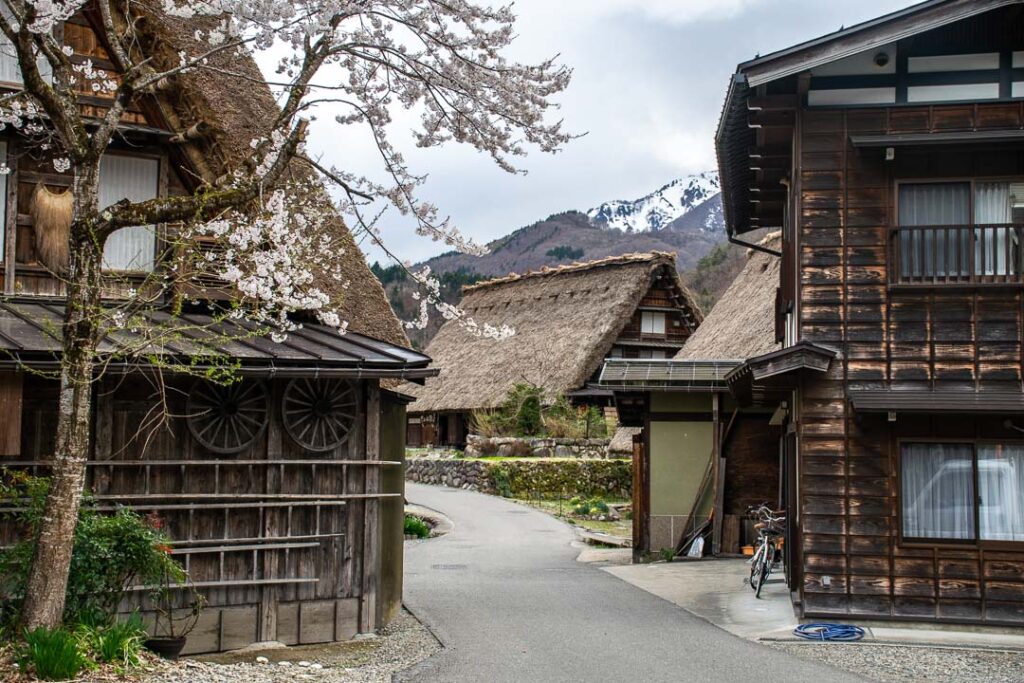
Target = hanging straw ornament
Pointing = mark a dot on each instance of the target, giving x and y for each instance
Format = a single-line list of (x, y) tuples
[(51, 219)]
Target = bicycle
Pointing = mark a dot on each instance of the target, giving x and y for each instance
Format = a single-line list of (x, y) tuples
[(770, 536)]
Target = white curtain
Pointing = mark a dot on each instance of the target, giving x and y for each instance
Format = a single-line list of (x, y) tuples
[(137, 179), (937, 491), (934, 205), (992, 206), (1001, 492)]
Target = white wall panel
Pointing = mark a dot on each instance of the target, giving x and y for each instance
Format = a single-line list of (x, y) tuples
[(953, 93), (983, 61), (851, 96)]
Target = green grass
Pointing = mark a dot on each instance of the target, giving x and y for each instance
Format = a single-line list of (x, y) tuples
[(414, 526), (620, 529), (54, 655)]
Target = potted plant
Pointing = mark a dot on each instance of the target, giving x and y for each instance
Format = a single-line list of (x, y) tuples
[(175, 602)]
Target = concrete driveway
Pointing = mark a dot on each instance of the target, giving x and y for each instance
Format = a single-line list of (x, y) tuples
[(508, 600)]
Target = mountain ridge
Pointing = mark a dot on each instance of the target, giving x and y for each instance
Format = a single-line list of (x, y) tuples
[(684, 216)]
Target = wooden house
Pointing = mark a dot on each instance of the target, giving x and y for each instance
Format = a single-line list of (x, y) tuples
[(700, 456), (891, 156), (292, 533), (567, 320)]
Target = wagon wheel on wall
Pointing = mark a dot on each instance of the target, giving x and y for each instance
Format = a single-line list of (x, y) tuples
[(319, 413), (227, 419)]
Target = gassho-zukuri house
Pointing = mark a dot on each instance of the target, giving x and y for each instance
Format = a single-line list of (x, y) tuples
[(291, 533), (891, 156), (567, 320)]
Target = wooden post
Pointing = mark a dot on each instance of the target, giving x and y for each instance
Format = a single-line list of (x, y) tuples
[(717, 474), (267, 626), (10, 227), (368, 616)]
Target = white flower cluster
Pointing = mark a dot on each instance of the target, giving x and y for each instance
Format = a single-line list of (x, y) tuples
[(98, 80), (449, 312), (275, 259), (51, 13)]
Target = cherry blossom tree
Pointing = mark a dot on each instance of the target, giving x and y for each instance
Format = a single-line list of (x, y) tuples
[(367, 59)]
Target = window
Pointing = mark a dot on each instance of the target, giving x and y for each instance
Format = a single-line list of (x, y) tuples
[(962, 492), (10, 71), (137, 179), (943, 223), (652, 323)]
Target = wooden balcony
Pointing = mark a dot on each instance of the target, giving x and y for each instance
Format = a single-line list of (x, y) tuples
[(957, 255)]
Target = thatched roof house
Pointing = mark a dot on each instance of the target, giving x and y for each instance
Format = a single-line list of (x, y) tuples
[(742, 323), (236, 105), (307, 427), (567, 320)]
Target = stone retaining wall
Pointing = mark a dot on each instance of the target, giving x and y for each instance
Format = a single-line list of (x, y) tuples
[(536, 447), (526, 477)]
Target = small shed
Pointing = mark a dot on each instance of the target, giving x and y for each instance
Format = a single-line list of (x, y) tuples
[(567, 320)]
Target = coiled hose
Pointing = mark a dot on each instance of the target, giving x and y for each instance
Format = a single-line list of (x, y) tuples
[(829, 632)]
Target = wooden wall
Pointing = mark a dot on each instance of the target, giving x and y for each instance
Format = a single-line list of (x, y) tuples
[(887, 338), (283, 542)]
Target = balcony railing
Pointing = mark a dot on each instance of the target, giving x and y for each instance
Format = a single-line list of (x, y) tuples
[(989, 254)]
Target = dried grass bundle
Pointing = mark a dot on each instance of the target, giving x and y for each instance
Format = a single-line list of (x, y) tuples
[(51, 218)]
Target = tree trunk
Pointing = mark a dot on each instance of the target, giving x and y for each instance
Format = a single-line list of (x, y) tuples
[(48, 577)]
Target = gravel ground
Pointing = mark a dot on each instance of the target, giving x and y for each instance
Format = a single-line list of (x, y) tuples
[(909, 664), (400, 645)]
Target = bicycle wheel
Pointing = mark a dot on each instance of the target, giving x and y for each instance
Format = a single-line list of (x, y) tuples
[(757, 566), (766, 569)]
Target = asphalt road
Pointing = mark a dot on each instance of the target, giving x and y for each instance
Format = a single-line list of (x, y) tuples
[(506, 597)]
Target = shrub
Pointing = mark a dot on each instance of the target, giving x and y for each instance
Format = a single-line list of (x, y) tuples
[(119, 643), (667, 554), (110, 553), (585, 508), (414, 526), (53, 655), (489, 423)]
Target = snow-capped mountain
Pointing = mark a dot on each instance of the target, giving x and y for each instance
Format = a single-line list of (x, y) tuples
[(660, 208)]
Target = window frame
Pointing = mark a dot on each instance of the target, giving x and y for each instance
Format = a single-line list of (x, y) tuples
[(977, 543), (893, 272), (664, 322), (158, 228)]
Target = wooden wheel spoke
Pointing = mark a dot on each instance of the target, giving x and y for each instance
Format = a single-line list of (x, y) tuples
[(227, 419), (318, 414)]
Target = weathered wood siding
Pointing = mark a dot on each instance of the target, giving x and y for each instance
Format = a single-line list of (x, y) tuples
[(281, 551), (938, 338)]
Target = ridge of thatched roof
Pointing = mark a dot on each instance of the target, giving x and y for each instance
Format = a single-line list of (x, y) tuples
[(233, 98), (575, 266), (566, 320), (742, 323)]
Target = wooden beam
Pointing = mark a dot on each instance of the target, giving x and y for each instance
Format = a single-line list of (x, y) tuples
[(771, 119), (773, 102)]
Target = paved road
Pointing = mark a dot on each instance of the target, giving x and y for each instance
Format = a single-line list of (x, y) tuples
[(505, 595)]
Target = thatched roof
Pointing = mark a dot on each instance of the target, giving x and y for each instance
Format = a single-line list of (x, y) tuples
[(742, 323), (233, 98), (566, 320), (622, 440)]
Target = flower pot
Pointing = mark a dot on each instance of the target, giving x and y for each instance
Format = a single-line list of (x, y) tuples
[(168, 648)]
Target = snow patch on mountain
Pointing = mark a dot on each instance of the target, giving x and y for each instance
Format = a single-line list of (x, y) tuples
[(656, 210)]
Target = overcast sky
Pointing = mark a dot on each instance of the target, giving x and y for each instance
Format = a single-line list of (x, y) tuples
[(649, 80)]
